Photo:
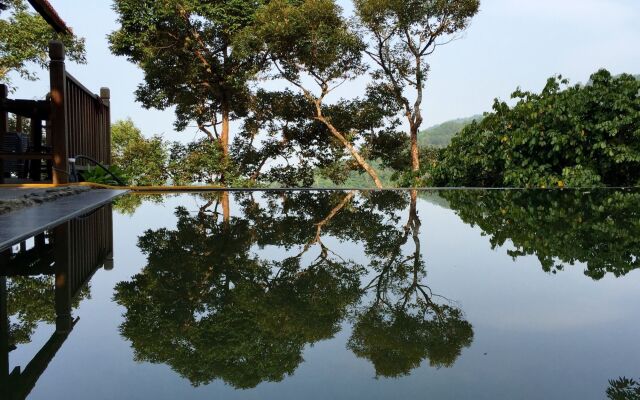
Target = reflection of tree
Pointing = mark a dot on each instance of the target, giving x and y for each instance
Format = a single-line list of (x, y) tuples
[(623, 389), (30, 301), (212, 307), (600, 228), (129, 203), (404, 324)]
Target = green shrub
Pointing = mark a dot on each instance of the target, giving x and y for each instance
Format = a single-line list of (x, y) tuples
[(99, 175), (583, 135)]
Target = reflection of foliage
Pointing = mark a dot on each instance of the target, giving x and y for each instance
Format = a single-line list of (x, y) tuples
[(30, 300), (129, 203), (210, 306), (404, 325), (223, 313), (396, 342), (599, 228), (623, 389)]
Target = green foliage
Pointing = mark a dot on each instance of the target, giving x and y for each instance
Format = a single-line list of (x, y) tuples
[(24, 40), (564, 136), (598, 228), (99, 175), (184, 49), (196, 162), (279, 144), (140, 159), (305, 37)]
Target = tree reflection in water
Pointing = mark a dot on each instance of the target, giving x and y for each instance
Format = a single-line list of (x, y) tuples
[(211, 305), (600, 228), (404, 324)]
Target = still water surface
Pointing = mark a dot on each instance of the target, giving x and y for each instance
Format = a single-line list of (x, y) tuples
[(330, 295)]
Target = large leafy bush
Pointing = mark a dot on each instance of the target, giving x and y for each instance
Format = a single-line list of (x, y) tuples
[(582, 135)]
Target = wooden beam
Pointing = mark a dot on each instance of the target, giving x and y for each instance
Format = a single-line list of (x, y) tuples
[(58, 118)]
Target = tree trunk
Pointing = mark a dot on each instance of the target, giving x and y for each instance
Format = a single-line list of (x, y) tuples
[(224, 139), (356, 155), (224, 135), (415, 151)]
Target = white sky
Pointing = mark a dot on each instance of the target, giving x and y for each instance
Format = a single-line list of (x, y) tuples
[(510, 43)]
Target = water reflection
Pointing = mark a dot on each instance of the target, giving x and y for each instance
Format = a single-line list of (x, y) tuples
[(42, 281), (211, 305), (240, 287), (600, 228)]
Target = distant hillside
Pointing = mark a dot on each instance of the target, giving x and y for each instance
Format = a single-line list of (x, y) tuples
[(440, 135)]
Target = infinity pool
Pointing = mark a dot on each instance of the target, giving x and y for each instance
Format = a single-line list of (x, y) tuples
[(463, 294)]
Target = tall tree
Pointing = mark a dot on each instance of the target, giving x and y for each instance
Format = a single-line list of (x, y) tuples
[(24, 40), (184, 48), (403, 34), (311, 45)]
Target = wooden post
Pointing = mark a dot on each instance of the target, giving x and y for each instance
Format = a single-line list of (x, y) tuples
[(105, 95), (58, 117), (4, 127)]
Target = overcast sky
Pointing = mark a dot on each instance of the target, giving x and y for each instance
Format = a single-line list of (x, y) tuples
[(511, 43)]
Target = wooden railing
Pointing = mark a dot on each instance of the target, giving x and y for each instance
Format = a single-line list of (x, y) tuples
[(78, 122), (88, 122)]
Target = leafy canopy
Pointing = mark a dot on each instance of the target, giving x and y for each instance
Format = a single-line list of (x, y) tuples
[(184, 49)]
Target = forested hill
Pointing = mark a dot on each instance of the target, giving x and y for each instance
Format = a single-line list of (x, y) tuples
[(440, 135)]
